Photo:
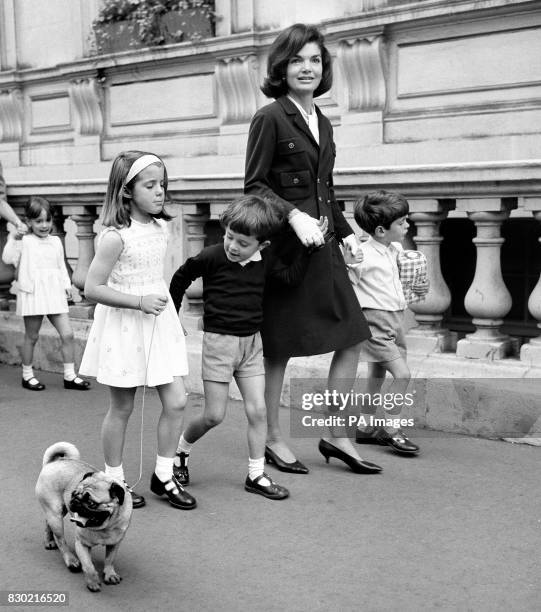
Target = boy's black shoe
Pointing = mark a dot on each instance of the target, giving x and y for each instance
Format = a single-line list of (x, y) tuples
[(398, 441), (176, 494), (368, 436), (272, 490), (180, 471)]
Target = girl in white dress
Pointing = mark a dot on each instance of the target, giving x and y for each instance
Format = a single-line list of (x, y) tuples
[(136, 338), (44, 288)]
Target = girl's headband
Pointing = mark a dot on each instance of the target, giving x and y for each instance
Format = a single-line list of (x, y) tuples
[(140, 164)]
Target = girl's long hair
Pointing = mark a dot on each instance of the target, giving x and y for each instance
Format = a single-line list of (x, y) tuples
[(117, 205)]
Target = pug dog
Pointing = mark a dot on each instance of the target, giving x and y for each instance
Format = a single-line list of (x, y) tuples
[(99, 506)]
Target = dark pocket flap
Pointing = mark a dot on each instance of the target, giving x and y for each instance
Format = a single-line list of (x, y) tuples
[(301, 178), (290, 146)]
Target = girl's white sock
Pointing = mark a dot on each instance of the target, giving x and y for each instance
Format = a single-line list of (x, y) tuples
[(164, 468), (116, 472), (256, 468), (69, 371), (28, 372)]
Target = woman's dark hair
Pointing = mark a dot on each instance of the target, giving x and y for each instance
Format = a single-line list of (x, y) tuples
[(34, 207), (379, 208), (286, 45)]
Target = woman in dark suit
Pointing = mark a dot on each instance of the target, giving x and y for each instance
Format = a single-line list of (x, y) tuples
[(290, 158)]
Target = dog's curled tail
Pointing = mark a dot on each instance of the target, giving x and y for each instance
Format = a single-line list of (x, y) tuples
[(61, 450)]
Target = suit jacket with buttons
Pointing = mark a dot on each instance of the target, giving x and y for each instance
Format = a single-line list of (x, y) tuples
[(284, 161)]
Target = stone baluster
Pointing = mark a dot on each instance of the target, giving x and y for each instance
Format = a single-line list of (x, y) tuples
[(530, 352), (84, 217), (194, 217), (58, 230), (430, 336), (487, 299)]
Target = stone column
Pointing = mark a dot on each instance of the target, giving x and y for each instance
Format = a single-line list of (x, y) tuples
[(487, 300), (531, 351), (58, 230), (361, 78), (194, 217), (84, 218), (430, 336), (238, 94)]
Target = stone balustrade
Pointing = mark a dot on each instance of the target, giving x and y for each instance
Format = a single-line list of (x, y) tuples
[(200, 199)]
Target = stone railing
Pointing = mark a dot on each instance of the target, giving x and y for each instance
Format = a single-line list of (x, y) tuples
[(486, 194)]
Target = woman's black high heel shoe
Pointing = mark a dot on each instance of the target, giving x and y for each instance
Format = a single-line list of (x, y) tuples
[(359, 467), (296, 467)]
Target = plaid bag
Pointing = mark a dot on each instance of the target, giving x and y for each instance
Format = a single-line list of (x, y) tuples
[(412, 269)]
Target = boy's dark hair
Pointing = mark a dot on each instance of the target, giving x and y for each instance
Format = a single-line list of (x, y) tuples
[(379, 208), (35, 205), (254, 216), (286, 45)]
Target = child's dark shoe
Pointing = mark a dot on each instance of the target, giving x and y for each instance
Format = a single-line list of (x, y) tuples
[(397, 441), (77, 383), (33, 384), (367, 436), (180, 469), (175, 492), (270, 490)]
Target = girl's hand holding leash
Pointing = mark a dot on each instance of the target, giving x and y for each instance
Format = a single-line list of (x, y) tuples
[(153, 303)]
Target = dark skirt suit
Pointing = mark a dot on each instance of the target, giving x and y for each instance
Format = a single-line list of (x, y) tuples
[(284, 162)]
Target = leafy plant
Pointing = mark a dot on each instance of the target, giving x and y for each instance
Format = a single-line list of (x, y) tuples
[(144, 19)]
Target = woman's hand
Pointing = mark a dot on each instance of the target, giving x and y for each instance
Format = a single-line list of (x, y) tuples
[(307, 228), (153, 303)]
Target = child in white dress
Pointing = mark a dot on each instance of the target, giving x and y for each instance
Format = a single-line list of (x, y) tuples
[(44, 288), (136, 337)]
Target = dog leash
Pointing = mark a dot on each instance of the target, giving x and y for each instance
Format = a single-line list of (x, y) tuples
[(141, 434)]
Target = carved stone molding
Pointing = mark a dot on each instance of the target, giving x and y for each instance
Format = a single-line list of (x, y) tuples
[(361, 63), (84, 95), (238, 88), (11, 112)]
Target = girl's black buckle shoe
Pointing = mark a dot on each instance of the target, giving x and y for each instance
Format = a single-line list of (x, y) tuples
[(33, 386), (180, 471), (359, 467), (296, 467), (79, 385)]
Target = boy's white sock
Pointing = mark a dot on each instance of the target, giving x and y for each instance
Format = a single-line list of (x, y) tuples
[(69, 371), (116, 472), (164, 468), (255, 469), (28, 372), (183, 446)]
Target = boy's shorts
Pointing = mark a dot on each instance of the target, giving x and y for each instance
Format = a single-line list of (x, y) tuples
[(388, 341), (224, 357)]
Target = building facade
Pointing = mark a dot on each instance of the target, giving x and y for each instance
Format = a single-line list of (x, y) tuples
[(438, 99)]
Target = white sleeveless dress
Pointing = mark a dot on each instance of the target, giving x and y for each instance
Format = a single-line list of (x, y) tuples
[(126, 347)]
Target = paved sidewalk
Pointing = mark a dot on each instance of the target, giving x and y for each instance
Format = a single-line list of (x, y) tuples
[(456, 528)]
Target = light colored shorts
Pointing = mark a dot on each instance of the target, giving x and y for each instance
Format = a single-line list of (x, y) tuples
[(225, 357), (388, 341)]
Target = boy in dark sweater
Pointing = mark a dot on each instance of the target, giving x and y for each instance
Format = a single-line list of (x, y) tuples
[(234, 275)]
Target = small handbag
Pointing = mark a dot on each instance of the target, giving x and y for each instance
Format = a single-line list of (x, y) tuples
[(412, 270)]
